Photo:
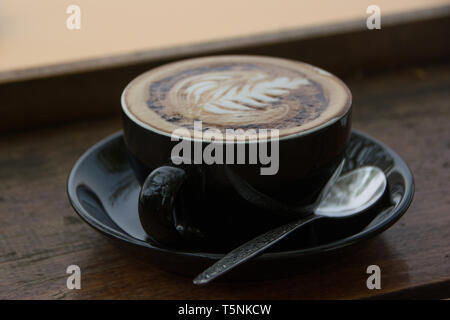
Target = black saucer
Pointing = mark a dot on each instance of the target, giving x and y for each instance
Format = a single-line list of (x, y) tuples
[(104, 192)]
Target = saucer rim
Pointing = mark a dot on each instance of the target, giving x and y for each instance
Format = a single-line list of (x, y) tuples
[(364, 234)]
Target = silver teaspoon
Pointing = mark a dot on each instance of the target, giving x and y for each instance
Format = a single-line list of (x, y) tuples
[(351, 194)]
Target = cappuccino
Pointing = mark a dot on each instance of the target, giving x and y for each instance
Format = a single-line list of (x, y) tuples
[(235, 92)]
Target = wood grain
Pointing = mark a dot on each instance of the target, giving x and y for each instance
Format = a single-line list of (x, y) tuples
[(40, 234)]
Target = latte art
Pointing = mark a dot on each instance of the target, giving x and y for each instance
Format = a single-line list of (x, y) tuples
[(236, 92), (233, 98)]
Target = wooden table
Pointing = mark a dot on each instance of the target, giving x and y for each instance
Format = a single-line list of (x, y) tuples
[(40, 234)]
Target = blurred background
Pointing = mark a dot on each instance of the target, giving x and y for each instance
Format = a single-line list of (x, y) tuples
[(34, 33), (63, 74)]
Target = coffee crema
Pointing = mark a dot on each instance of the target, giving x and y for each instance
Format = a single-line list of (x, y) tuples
[(235, 92)]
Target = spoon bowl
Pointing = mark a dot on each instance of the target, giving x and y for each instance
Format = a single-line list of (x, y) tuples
[(353, 193)]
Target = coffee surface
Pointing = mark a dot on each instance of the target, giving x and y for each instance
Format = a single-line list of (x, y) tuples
[(236, 92)]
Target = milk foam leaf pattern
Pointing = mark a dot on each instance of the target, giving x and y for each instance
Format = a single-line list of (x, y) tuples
[(229, 93)]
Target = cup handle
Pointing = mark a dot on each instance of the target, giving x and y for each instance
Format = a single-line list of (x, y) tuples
[(161, 215)]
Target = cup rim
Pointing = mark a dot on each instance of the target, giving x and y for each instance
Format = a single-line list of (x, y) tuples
[(320, 127)]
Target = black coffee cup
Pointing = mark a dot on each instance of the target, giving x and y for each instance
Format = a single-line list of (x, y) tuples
[(220, 205)]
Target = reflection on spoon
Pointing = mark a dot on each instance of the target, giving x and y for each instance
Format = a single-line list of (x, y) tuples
[(352, 194)]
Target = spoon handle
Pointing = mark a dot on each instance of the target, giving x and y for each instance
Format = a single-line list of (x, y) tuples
[(251, 249)]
